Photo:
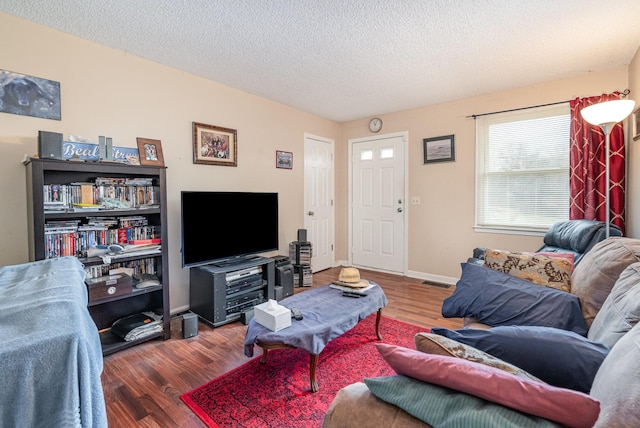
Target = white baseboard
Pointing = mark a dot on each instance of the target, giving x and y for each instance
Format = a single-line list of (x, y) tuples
[(413, 274), (179, 310), (431, 277)]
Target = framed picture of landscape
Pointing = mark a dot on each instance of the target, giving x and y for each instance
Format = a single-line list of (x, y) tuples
[(439, 149)]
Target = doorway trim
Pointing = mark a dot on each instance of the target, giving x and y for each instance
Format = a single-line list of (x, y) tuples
[(405, 138), (332, 231)]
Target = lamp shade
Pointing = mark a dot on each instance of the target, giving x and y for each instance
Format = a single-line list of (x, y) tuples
[(608, 111)]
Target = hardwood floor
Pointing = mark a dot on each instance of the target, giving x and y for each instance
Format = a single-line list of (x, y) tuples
[(142, 385)]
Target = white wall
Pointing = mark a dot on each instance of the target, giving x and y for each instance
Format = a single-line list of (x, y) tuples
[(441, 227), (109, 92)]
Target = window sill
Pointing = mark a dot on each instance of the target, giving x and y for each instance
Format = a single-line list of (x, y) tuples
[(505, 231)]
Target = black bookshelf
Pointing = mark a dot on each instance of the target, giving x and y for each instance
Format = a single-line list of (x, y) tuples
[(105, 310)]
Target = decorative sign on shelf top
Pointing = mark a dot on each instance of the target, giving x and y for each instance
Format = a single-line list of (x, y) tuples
[(88, 151)]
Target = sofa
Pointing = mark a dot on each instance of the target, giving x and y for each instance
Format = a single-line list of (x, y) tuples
[(575, 237), (535, 355)]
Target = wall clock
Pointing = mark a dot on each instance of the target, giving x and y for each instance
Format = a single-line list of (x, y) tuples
[(375, 124)]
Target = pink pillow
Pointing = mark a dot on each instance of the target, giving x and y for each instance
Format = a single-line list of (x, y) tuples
[(564, 406)]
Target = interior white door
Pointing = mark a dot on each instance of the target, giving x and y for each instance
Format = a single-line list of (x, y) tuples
[(318, 200), (378, 205)]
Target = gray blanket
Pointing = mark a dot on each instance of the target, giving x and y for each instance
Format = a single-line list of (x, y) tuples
[(326, 315), (50, 353)]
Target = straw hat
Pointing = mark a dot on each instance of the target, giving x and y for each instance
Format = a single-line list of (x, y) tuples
[(350, 277)]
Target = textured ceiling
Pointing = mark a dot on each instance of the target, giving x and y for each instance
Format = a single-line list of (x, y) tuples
[(349, 59)]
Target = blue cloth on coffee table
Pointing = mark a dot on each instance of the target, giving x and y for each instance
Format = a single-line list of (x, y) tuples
[(326, 315)]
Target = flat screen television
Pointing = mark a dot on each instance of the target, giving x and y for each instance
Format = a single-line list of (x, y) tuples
[(221, 227)]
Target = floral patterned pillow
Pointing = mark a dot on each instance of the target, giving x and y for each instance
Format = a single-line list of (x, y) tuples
[(542, 270)]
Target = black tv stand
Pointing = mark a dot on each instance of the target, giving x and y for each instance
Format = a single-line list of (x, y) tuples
[(219, 294)]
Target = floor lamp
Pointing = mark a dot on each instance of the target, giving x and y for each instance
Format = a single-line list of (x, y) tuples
[(606, 115)]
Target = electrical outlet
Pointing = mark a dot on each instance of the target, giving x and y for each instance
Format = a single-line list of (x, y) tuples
[(415, 200)]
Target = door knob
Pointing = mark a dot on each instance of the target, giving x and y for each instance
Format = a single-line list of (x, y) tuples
[(311, 213), (399, 210)]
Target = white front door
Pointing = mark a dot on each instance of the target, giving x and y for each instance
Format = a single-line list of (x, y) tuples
[(318, 200), (378, 202)]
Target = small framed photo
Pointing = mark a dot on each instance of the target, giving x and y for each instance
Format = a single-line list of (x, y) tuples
[(214, 145), (439, 149), (150, 151), (284, 159), (635, 124)]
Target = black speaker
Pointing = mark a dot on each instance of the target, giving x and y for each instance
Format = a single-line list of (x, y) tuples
[(284, 279), (246, 316), (278, 292), (189, 325), (49, 145), (302, 235)]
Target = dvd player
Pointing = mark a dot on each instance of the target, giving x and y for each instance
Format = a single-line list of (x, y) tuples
[(232, 276), (244, 280), (244, 286), (281, 261), (242, 302)]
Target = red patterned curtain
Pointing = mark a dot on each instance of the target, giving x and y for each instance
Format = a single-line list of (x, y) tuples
[(587, 166)]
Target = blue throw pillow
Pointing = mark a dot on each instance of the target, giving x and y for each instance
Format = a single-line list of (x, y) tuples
[(559, 357), (495, 298)]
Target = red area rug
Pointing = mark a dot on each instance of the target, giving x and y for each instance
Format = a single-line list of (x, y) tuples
[(278, 394)]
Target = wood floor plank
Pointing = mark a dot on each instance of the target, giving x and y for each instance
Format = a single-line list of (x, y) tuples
[(142, 385)]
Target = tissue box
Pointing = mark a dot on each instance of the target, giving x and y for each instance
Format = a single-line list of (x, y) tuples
[(274, 320)]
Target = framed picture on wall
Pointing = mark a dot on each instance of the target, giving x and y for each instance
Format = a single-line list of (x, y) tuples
[(214, 145), (150, 151), (439, 149), (284, 160)]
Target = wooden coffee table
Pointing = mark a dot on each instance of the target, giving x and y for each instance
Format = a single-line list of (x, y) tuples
[(326, 315)]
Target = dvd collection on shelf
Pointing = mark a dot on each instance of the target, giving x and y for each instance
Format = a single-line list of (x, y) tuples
[(138, 267), (104, 193), (303, 276), (71, 238), (300, 254)]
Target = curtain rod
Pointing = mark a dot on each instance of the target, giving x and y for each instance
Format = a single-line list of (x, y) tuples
[(623, 94)]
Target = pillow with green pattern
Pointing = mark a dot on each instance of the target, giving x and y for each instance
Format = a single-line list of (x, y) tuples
[(445, 408)]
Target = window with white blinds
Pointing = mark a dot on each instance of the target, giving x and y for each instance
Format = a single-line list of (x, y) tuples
[(522, 168)]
